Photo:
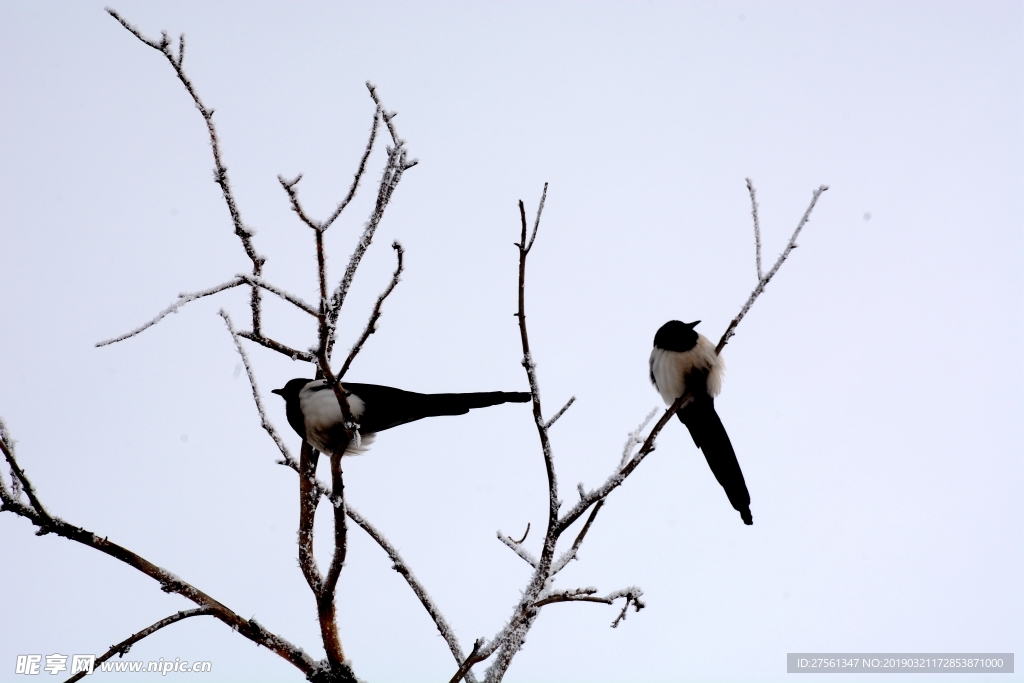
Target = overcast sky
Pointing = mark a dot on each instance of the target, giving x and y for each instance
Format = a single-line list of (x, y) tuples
[(873, 395)]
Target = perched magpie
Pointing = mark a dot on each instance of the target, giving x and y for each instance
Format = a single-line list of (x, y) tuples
[(683, 360), (314, 414)]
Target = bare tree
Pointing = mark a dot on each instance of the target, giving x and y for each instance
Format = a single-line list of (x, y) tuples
[(20, 497)]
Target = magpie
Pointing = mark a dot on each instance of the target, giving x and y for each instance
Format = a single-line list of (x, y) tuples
[(684, 360), (313, 411)]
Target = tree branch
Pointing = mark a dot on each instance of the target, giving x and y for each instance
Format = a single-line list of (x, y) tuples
[(570, 554), (757, 227), (265, 422), (220, 172), (377, 113), (121, 649), (188, 297), (560, 413), (371, 324), (518, 549), (631, 594), (169, 583), (397, 165)]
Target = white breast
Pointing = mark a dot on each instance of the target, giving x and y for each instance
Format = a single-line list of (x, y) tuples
[(669, 369), (321, 412)]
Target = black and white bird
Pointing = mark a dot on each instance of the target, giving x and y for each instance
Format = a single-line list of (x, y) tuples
[(314, 414), (684, 360)]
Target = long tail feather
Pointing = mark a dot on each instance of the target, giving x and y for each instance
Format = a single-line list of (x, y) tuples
[(408, 406), (710, 436)]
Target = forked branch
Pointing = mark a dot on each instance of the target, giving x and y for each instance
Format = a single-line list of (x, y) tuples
[(762, 280)]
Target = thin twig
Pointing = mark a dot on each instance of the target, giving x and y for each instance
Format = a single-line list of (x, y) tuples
[(763, 282), (560, 413), (371, 324), (570, 554), (122, 648), (631, 594), (294, 354), (757, 227), (265, 422), (293, 197), (518, 549), (617, 478), (188, 297), (19, 480), (536, 222), (359, 171), (183, 298)]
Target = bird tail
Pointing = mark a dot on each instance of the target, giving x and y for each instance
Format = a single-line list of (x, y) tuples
[(460, 404), (710, 436)]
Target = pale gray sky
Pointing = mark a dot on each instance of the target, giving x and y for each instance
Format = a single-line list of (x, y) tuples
[(873, 395)]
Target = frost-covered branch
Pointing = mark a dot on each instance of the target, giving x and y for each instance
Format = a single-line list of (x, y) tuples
[(560, 413), (371, 324), (169, 583), (183, 298), (538, 592), (220, 171), (265, 422), (570, 554), (518, 549), (122, 648), (397, 165), (188, 297), (377, 114), (400, 566), (294, 354), (757, 227), (763, 280), (631, 594)]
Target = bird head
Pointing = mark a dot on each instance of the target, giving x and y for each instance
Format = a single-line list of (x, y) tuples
[(290, 391), (676, 335)]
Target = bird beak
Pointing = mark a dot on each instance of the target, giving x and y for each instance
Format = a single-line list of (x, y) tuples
[(693, 324), (279, 392)]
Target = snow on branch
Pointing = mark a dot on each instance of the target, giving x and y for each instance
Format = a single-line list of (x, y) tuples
[(518, 549), (183, 298), (589, 594), (188, 297)]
